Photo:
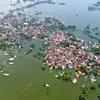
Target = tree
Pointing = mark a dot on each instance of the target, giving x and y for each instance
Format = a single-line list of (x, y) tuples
[(98, 97), (93, 87), (66, 75), (29, 50), (43, 67), (65, 43), (99, 85), (83, 97)]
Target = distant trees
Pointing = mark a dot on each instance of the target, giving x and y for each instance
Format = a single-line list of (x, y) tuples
[(43, 67), (73, 27), (86, 89)]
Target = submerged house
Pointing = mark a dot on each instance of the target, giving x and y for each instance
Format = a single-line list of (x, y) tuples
[(74, 80)]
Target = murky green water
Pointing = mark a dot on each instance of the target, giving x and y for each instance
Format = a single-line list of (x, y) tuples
[(26, 77), (26, 80)]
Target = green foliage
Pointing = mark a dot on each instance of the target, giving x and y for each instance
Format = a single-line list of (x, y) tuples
[(95, 72), (99, 85), (32, 46), (29, 50), (98, 97), (83, 97), (83, 69), (92, 87), (43, 67), (65, 43), (96, 51), (67, 75)]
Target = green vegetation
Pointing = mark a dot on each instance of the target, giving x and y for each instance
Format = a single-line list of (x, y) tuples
[(29, 50), (86, 90), (98, 97), (4, 45), (92, 87), (43, 67), (84, 95), (32, 46), (67, 75), (99, 85), (65, 43), (96, 51)]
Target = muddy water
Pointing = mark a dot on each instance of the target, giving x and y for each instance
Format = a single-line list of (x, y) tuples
[(26, 78)]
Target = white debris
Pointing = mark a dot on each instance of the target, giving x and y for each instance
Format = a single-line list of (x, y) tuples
[(25, 23), (51, 67), (6, 54), (6, 74), (56, 76), (47, 85), (11, 59)]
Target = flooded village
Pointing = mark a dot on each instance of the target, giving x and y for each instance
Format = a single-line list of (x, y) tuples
[(41, 57)]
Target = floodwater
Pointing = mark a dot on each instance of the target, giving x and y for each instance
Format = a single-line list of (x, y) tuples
[(26, 78)]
